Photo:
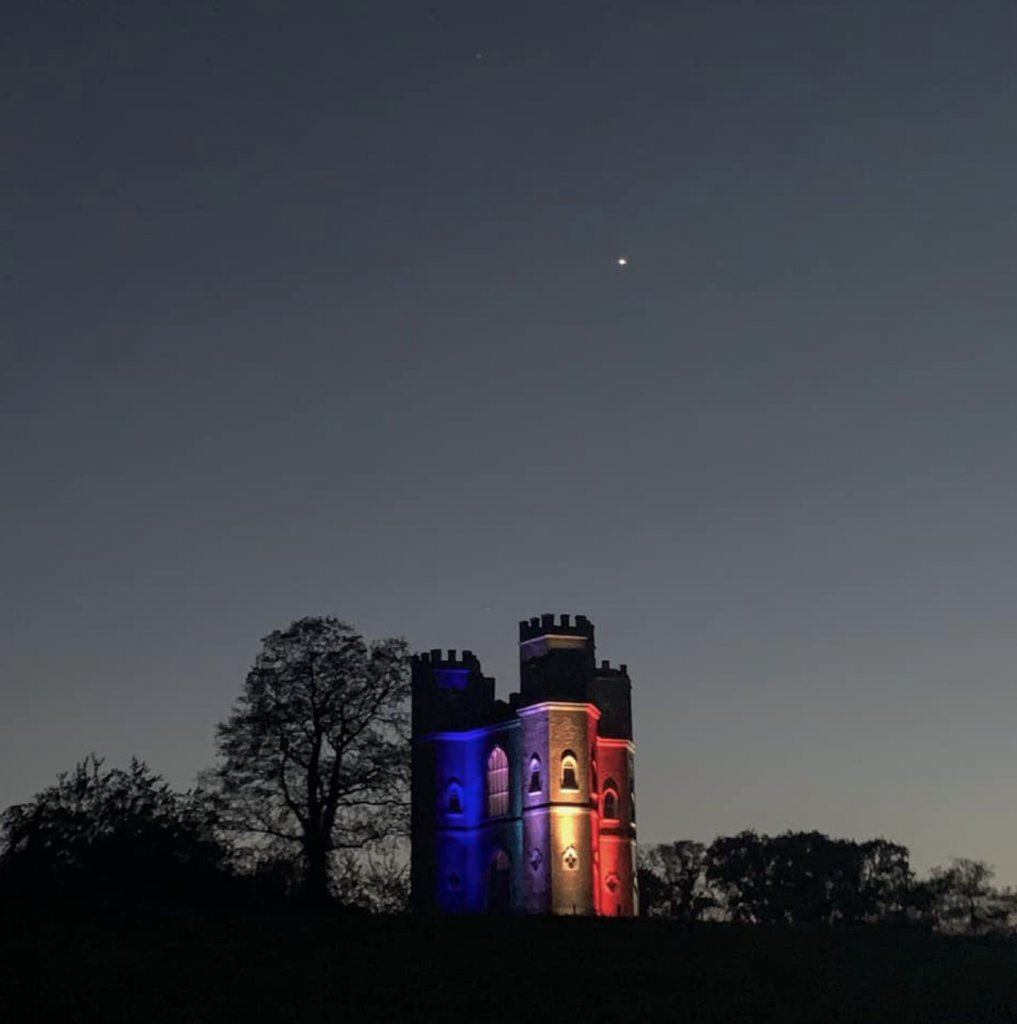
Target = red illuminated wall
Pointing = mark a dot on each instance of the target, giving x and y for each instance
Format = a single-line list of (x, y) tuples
[(616, 836)]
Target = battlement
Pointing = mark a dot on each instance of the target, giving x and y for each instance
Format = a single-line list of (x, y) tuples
[(606, 671), (544, 625), (450, 691), (452, 659)]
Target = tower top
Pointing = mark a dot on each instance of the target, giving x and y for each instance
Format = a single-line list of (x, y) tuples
[(437, 658), (545, 625)]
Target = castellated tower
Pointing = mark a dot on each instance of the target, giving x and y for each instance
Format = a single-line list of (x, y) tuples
[(525, 806), (465, 813)]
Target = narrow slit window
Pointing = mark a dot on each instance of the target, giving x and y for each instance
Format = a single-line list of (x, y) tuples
[(535, 780), (454, 804), (610, 802)]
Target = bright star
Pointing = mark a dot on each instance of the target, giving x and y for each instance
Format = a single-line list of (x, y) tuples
[(622, 261)]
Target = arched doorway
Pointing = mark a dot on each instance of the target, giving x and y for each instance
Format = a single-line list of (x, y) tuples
[(499, 884)]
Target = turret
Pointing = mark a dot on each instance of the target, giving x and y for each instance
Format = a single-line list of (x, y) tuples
[(556, 658), (611, 690), (450, 691)]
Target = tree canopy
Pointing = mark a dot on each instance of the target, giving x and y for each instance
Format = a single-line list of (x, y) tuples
[(314, 759), (113, 835), (807, 878)]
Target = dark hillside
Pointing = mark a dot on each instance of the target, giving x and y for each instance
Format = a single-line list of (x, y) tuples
[(246, 968)]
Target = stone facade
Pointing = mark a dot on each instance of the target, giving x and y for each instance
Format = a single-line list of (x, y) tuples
[(526, 805)]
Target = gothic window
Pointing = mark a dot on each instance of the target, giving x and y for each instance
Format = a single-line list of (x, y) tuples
[(570, 858), (535, 783), (454, 801), (610, 802), (569, 771), (593, 771), (497, 783), (499, 884)]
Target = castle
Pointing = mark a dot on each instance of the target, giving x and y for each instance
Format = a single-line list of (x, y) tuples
[(524, 806)]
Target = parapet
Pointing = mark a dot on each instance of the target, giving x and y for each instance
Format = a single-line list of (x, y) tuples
[(611, 690), (544, 625), (452, 659), (450, 692), (607, 671)]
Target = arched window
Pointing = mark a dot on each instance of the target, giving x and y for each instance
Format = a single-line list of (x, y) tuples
[(497, 783), (499, 884), (454, 798), (569, 771), (610, 801), (535, 783)]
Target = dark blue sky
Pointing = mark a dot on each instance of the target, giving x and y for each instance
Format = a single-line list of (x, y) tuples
[(306, 308)]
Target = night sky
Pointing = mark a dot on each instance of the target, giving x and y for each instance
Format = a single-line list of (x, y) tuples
[(314, 308)]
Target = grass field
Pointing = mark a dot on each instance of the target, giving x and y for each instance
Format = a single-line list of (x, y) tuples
[(269, 968)]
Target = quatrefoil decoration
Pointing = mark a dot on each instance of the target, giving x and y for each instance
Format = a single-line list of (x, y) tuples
[(536, 860), (571, 858)]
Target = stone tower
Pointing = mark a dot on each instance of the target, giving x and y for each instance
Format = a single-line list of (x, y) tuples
[(527, 805)]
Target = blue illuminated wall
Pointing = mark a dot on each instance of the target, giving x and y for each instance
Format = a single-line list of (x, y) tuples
[(469, 845), (458, 849)]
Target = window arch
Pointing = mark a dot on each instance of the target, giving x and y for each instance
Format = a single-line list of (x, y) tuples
[(536, 783), (497, 783), (610, 802), (499, 884), (454, 798), (569, 771)]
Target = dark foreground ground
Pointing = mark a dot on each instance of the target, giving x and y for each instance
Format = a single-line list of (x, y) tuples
[(571, 971)]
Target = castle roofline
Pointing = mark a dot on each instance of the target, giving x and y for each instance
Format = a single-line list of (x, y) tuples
[(559, 705), (546, 625)]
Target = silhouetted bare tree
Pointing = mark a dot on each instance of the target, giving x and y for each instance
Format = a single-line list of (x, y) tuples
[(314, 758)]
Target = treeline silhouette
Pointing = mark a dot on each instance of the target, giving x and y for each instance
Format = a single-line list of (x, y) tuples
[(307, 806), (121, 839), (809, 879)]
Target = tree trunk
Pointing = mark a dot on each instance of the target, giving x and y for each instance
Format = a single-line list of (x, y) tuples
[(316, 890)]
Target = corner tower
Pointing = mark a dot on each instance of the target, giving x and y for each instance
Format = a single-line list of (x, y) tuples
[(611, 692), (465, 835), (578, 823)]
